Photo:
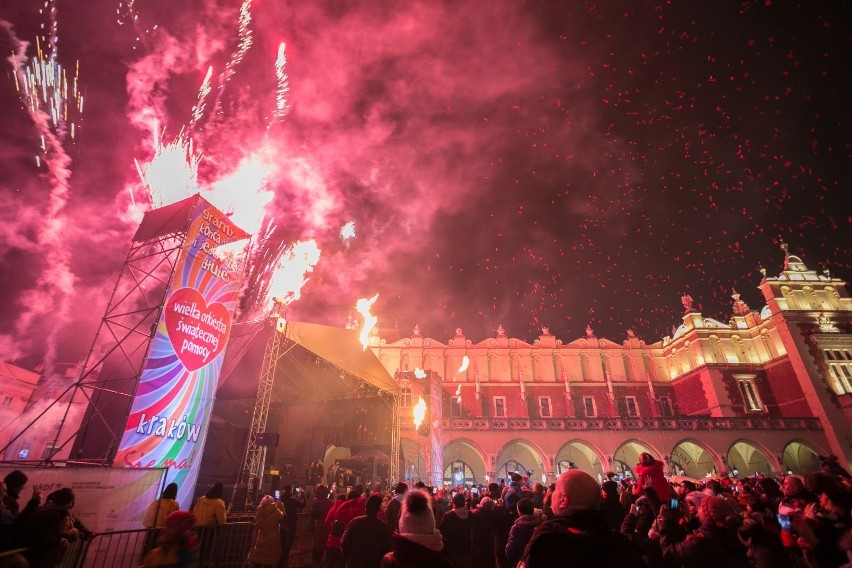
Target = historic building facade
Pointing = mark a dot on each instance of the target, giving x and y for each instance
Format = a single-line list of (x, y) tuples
[(767, 391)]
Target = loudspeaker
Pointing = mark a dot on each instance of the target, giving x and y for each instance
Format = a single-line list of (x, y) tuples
[(267, 439)]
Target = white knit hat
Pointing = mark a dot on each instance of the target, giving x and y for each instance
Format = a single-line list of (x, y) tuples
[(416, 516)]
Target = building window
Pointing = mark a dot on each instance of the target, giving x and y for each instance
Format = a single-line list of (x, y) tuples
[(7, 401), (405, 397), (544, 406), (458, 473), (632, 407), (499, 406), (589, 407), (750, 396), (840, 366), (666, 406)]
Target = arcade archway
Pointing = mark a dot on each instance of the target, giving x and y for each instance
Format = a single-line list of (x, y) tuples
[(519, 456), (800, 458), (745, 458), (470, 460), (692, 460), (578, 455)]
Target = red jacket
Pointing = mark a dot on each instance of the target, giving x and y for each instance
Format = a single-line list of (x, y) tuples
[(350, 509), (652, 476)]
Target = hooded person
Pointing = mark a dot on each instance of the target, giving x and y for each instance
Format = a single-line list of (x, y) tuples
[(521, 531), (417, 544), (267, 541), (160, 509), (178, 543), (455, 529), (715, 544), (483, 534), (210, 508), (395, 506), (649, 475)]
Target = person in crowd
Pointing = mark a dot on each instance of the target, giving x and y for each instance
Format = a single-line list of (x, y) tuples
[(826, 521), (482, 534), (716, 543), (51, 529), (610, 504), (455, 527), (338, 519), (15, 482), (209, 510), (178, 543), (637, 526), (831, 465), (795, 498), (522, 531), (293, 505), (160, 509), (395, 506), (367, 538), (537, 496), (441, 503), (266, 551), (319, 509), (578, 533), (765, 549), (417, 544), (513, 494), (649, 475), (9, 557)]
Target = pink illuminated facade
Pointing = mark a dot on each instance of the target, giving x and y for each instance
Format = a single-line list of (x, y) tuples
[(766, 391)]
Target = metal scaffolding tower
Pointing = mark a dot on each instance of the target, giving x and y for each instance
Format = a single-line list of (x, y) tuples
[(395, 442), (110, 372), (251, 474)]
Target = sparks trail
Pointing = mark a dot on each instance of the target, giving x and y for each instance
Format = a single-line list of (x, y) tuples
[(43, 88)]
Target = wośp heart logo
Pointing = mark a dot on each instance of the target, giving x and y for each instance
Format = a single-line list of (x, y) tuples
[(197, 332)]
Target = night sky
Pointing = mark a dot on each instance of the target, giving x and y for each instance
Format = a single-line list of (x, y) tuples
[(519, 163)]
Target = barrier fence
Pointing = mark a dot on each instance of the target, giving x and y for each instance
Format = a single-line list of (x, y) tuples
[(225, 546)]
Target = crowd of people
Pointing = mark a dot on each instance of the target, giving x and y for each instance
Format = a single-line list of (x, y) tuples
[(36, 534), (643, 520)]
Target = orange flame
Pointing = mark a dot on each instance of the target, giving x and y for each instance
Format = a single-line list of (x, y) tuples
[(363, 307), (419, 412)]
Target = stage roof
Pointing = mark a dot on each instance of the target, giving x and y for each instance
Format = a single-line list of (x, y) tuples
[(317, 362)]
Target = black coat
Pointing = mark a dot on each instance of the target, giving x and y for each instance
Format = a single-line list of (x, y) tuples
[(409, 554), (482, 538), (711, 546), (581, 538), (365, 542), (455, 528)]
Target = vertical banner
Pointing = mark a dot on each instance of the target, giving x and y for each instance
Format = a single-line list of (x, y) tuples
[(168, 420)]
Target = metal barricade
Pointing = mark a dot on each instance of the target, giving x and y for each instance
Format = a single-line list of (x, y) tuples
[(224, 546)]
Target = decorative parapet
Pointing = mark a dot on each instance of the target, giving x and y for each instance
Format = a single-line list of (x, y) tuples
[(598, 424)]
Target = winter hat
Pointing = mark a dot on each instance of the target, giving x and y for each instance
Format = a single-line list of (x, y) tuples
[(714, 509), (416, 516), (267, 499), (486, 503), (610, 487)]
